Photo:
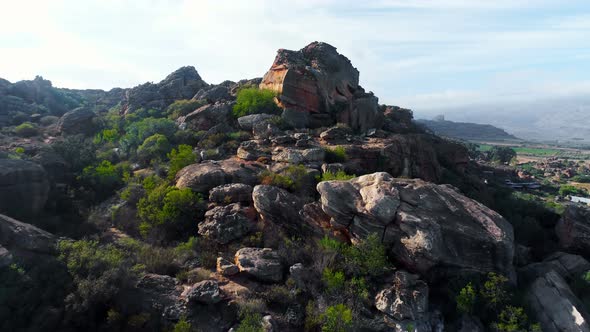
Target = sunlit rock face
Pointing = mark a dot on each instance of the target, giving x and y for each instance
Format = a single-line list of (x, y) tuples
[(319, 86)]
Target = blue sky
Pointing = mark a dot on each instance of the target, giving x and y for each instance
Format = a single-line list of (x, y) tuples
[(422, 54)]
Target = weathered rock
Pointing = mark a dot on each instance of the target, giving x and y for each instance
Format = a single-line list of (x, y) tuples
[(226, 268), (5, 257), (469, 323), (411, 156), (208, 116), (406, 299), (573, 229), (206, 291), (427, 226), (224, 224), (19, 236), (183, 83), (247, 122), (323, 85), (231, 193), (555, 306), (277, 205), (24, 187), (261, 263), (336, 133), (208, 175), (297, 156), (568, 266), (252, 150), (77, 121), (213, 94), (159, 295), (268, 324)]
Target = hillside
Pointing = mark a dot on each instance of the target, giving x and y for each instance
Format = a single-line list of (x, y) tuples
[(291, 202), (467, 131)]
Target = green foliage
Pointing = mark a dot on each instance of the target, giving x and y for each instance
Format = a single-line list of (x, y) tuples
[(581, 178), (566, 190), (367, 258), (104, 177), (26, 129), (77, 151), (251, 322), (137, 132), (336, 155), (495, 291), (514, 319), (19, 150), (106, 136), (167, 212), (339, 176), (466, 299), (182, 326), (183, 107), (334, 280), (290, 179), (337, 318), (255, 101), (153, 147), (501, 154)]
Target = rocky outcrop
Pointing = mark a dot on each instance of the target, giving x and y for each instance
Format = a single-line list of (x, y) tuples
[(183, 83), (298, 156), (555, 306), (231, 193), (247, 122), (406, 299), (278, 206), (206, 291), (205, 176), (260, 263), (322, 86), (573, 229), (568, 266), (21, 238), (24, 187), (429, 228), (77, 121), (226, 268), (207, 117), (224, 224), (213, 94), (158, 295)]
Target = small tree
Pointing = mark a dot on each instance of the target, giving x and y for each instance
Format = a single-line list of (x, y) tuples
[(337, 318), (153, 147), (501, 154), (494, 290), (180, 158), (466, 299), (26, 129)]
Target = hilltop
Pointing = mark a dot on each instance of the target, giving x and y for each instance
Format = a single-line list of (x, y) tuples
[(467, 131)]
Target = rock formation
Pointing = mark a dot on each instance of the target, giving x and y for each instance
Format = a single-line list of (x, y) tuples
[(321, 86), (573, 229), (24, 187)]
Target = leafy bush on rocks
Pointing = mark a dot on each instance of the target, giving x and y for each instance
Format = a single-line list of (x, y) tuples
[(183, 107), (255, 101), (154, 147), (336, 155), (26, 129), (179, 158), (339, 175)]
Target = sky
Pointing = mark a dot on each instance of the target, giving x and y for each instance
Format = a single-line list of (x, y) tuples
[(427, 55)]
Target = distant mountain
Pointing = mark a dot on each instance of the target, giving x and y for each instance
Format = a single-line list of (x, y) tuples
[(467, 131)]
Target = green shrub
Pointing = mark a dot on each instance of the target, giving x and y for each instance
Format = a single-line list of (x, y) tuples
[(167, 212), (182, 326), (251, 322), (77, 151), (339, 175), (514, 319), (334, 280), (495, 291), (26, 129), (19, 150), (566, 190), (336, 155), (255, 101), (183, 107), (366, 258), (581, 178), (154, 147), (501, 154), (137, 132), (290, 179), (466, 299), (105, 177), (337, 318)]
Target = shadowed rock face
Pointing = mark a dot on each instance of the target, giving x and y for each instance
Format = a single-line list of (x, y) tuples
[(428, 227), (319, 82), (24, 187), (573, 230)]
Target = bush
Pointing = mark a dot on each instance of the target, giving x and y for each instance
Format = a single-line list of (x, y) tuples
[(566, 190), (337, 318), (154, 147), (334, 280), (26, 129), (106, 136), (336, 155), (291, 179), (105, 177), (180, 158), (255, 101), (494, 290), (466, 299), (137, 132), (168, 213), (182, 326), (581, 178), (514, 319), (183, 107), (77, 151), (340, 176), (501, 154)]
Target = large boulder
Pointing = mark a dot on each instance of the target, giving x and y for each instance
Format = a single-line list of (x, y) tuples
[(24, 187), (205, 176), (77, 121), (207, 117), (224, 224), (247, 122), (263, 264), (231, 193), (555, 306), (213, 94), (428, 227), (568, 266), (183, 83), (20, 237), (278, 206), (298, 156), (407, 298), (206, 291), (321, 84), (573, 229)]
